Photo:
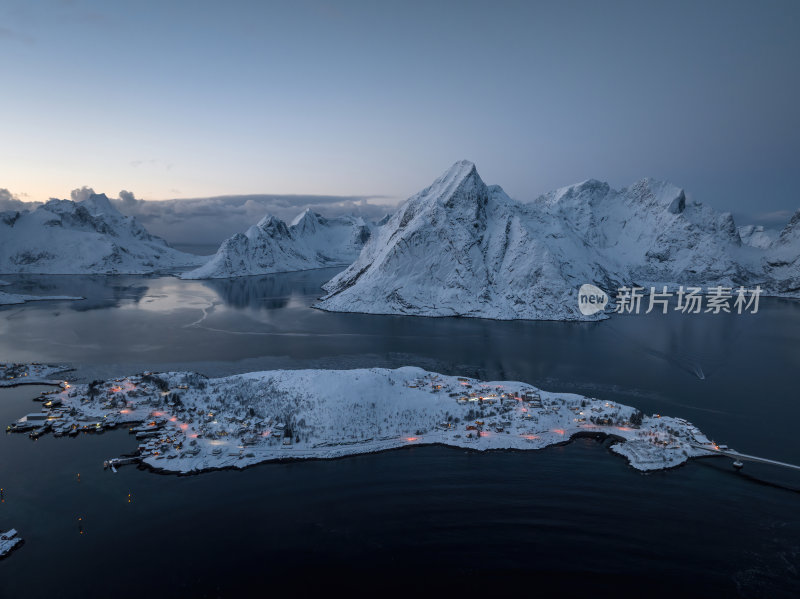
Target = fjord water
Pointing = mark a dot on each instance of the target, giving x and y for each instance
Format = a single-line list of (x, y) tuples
[(567, 517)]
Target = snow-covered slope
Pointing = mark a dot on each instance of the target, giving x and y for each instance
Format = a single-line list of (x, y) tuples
[(757, 236), (88, 237), (271, 246), (7, 299), (460, 247), (782, 260)]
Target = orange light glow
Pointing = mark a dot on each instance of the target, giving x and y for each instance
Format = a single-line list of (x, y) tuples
[(559, 431), (173, 419), (124, 411), (412, 439), (530, 437), (184, 426), (266, 433), (624, 428), (484, 433), (158, 414)]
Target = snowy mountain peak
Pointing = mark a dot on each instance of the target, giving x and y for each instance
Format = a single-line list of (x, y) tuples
[(653, 192), (273, 225), (91, 236), (308, 221), (271, 246), (306, 215), (459, 190), (460, 182), (98, 203)]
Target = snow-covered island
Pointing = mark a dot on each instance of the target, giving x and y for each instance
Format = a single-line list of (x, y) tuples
[(8, 299), (16, 298), (186, 422), (87, 237), (463, 248), (271, 246), (8, 541), (12, 375)]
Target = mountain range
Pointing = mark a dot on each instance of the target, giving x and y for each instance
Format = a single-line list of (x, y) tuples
[(310, 241), (86, 237), (463, 248)]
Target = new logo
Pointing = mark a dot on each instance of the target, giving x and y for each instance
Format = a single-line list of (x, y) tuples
[(591, 299)]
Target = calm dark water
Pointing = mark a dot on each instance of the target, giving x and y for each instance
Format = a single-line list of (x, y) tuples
[(563, 520)]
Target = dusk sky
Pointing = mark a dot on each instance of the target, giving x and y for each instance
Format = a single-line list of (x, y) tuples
[(188, 100)]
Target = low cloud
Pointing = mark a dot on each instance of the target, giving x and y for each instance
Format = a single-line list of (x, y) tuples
[(78, 195), (127, 197), (211, 220), (9, 201), (776, 219)]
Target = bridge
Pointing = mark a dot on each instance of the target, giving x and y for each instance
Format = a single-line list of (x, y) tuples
[(744, 457)]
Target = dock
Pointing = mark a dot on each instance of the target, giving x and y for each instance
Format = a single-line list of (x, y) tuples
[(114, 463)]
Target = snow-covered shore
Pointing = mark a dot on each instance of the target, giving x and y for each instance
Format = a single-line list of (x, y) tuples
[(190, 423), (12, 375), (8, 299)]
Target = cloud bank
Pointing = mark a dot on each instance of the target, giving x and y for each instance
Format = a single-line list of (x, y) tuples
[(211, 220), (8, 201)]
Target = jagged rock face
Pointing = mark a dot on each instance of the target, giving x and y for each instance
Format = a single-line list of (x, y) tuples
[(271, 246), (757, 236), (88, 237), (782, 260), (460, 247)]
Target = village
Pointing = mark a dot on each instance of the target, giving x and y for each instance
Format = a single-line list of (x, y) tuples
[(185, 422)]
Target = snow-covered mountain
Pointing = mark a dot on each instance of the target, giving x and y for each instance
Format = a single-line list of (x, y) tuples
[(460, 247), (271, 246), (757, 236), (87, 237), (782, 260)]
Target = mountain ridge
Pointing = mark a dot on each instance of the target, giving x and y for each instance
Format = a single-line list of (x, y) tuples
[(271, 246), (460, 247), (85, 237)]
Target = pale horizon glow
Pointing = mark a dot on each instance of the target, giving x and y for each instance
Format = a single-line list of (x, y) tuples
[(360, 99)]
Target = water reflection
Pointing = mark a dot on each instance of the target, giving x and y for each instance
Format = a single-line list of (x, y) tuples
[(269, 292), (712, 369), (98, 291)]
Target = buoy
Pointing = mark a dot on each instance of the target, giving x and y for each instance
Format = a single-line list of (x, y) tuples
[(738, 465)]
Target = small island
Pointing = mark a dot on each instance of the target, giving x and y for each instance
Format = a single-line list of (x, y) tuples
[(34, 373), (8, 542), (187, 423)]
